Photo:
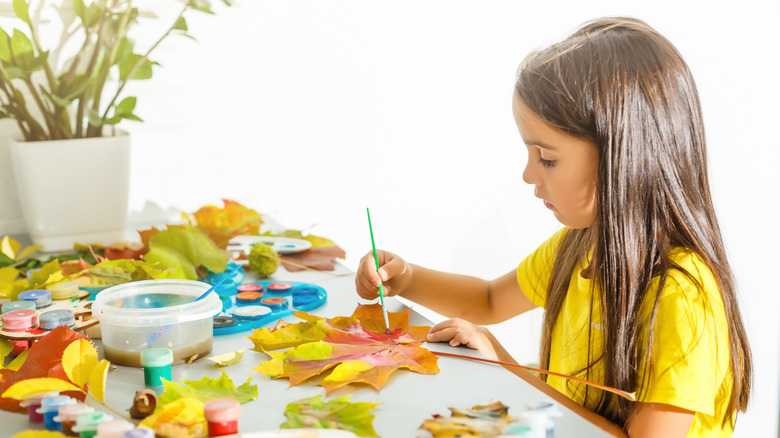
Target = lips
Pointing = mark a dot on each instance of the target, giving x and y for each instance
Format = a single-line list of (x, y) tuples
[(548, 205)]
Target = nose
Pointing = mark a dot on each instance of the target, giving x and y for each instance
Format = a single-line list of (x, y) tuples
[(528, 174)]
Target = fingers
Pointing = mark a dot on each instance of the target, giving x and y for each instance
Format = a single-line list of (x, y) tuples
[(458, 332), (368, 279)]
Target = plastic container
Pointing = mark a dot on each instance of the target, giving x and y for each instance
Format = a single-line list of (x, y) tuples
[(50, 407), (18, 305), (63, 290), (148, 314), (68, 414), (33, 403), (157, 365), (41, 297), (222, 416), (114, 428), (87, 424), (55, 318)]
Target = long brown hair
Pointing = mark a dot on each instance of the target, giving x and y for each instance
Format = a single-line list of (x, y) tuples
[(620, 84)]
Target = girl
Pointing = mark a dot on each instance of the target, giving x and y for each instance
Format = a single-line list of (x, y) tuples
[(637, 291)]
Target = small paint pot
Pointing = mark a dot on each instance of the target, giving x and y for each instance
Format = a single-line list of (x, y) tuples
[(50, 407), (251, 313), (18, 305), (222, 416), (20, 320), (243, 298), (533, 420), (40, 297), (224, 321), (141, 432), (87, 424), (303, 300), (63, 290), (250, 287), (33, 403), (114, 428), (157, 365), (68, 414), (279, 287), (55, 318), (275, 303)]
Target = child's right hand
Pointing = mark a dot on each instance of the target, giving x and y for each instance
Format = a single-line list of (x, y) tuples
[(393, 274)]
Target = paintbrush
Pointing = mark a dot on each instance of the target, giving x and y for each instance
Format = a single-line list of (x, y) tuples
[(376, 261), (224, 277)]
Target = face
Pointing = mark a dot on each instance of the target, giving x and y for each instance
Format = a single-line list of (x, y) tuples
[(563, 169)]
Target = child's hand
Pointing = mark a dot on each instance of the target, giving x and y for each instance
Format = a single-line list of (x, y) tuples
[(393, 273), (460, 332)]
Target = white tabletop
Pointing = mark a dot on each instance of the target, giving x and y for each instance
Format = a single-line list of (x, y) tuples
[(407, 399)]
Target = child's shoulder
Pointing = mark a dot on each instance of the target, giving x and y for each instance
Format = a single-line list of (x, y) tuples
[(690, 277)]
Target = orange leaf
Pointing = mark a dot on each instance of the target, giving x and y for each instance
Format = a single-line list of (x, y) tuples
[(222, 224)]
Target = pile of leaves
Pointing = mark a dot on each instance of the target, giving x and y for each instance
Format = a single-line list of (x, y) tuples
[(338, 413), (484, 421), (345, 350)]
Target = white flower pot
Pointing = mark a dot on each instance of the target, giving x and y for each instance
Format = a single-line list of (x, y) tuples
[(73, 190)]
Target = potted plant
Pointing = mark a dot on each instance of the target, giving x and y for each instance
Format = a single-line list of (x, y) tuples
[(67, 111)]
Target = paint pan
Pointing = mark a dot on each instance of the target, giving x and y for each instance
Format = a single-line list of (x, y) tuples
[(147, 314)]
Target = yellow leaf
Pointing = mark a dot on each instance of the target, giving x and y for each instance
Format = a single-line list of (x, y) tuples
[(9, 247), (7, 277), (32, 387), (18, 361), (5, 348), (38, 434), (184, 414), (78, 359), (226, 359), (27, 251), (97, 379)]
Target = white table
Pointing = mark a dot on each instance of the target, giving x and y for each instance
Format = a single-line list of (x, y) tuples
[(407, 399)]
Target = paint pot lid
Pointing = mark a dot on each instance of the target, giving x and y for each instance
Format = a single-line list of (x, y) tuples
[(36, 401), (156, 357), (222, 410), (52, 404), (141, 432), (18, 305), (279, 286), (114, 428), (274, 301), (55, 318), (224, 321), (249, 296), (251, 312), (20, 319), (40, 297), (250, 287), (89, 421), (72, 411), (63, 290)]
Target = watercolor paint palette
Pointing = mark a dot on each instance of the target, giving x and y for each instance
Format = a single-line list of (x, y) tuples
[(254, 305), (74, 313)]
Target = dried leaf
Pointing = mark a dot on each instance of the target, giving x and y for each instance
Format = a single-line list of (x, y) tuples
[(346, 347), (226, 359), (97, 379), (184, 415), (18, 361), (485, 421), (322, 259), (222, 224), (5, 347), (78, 359), (338, 413), (207, 389), (33, 387)]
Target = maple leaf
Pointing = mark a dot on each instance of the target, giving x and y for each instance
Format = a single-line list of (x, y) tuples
[(181, 417), (222, 224), (353, 349), (43, 360), (180, 250), (207, 389), (338, 413), (485, 420), (226, 359)]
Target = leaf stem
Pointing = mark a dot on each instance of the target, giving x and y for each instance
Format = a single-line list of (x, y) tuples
[(110, 408)]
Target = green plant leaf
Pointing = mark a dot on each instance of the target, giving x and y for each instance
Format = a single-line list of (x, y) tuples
[(207, 389), (181, 24), (180, 250), (5, 46), (144, 71), (126, 106), (22, 10), (201, 5), (338, 413), (81, 9), (22, 50)]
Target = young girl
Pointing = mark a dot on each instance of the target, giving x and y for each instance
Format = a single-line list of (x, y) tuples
[(637, 291)]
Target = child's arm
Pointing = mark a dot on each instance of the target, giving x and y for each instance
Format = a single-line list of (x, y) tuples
[(456, 296), (650, 420)]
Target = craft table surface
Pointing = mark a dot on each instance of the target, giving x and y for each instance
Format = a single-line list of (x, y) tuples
[(407, 399)]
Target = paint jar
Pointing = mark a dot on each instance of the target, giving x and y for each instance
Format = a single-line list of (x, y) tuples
[(40, 297), (114, 428), (63, 290), (55, 318), (50, 407), (140, 315), (18, 305), (534, 421), (279, 287), (68, 414), (222, 416), (141, 432), (157, 365), (552, 412), (23, 320), (87, 424), (243, 298), (33, 403), (275, 303)]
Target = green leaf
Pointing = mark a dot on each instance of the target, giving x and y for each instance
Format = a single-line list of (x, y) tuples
[(207, 389), (338, 413), (5, 260), (201, 5), (181, 24), (126, 106), (22, 50), (94, 118), (5, 46), (22, 11), (81, 9), (180, 250), (144, 71), (49, 273)]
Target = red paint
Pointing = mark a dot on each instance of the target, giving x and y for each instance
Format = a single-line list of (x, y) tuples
[(222, 416), (279, 286), (250, 287), (274, 301)]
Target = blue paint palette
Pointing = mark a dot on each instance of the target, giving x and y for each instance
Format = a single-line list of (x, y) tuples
[(254, 305)]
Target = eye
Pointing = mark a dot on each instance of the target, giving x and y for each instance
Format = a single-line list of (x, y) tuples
[(546, 163)]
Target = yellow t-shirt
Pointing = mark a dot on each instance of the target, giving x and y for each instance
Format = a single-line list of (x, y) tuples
[(691, 345)]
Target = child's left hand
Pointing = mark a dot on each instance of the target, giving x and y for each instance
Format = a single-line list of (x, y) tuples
[(460, 332)]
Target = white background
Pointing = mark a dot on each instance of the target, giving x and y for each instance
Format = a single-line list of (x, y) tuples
[(311, 111)]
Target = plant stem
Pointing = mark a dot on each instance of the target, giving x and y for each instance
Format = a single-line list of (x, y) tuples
[(110, 408), (34, 131), (90, 69)]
